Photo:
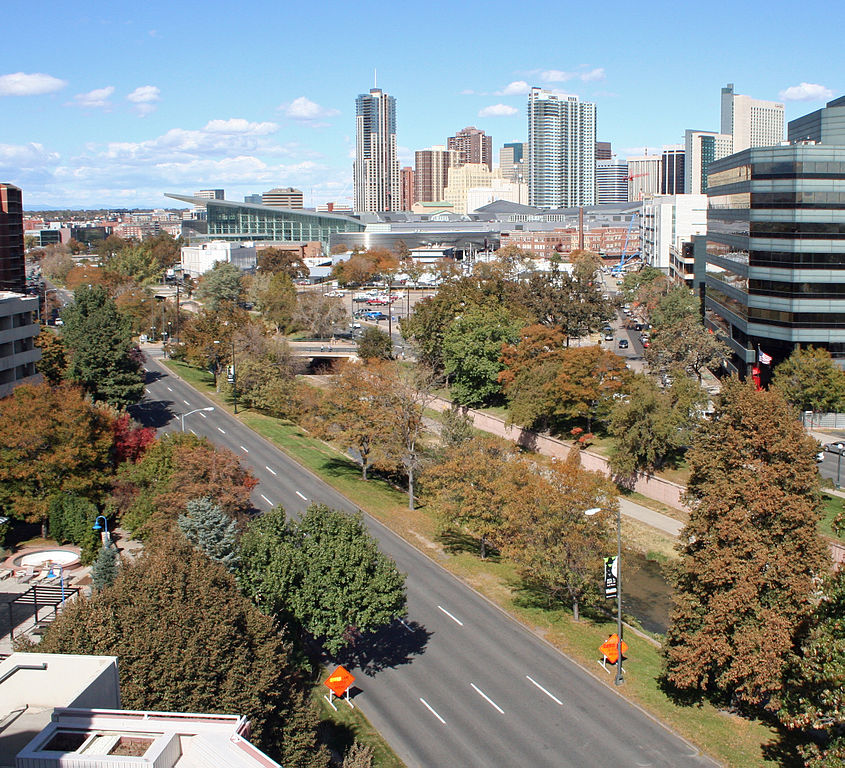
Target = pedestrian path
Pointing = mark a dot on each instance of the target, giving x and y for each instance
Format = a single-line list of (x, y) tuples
[(650, 517)]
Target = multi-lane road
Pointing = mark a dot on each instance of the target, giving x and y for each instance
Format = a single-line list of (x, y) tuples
[(458, 682)]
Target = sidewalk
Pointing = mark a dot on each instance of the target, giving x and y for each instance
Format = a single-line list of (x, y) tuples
[(661, 522)]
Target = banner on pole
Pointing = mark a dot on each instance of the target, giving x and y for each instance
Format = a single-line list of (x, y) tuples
[(611, 577)]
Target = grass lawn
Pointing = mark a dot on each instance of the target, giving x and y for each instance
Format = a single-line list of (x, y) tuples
[(832, 507)]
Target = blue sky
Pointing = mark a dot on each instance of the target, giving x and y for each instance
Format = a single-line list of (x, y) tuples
[(115, 103)]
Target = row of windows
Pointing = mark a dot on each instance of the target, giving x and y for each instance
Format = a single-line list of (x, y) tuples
[(803, 199), (805, 169), (797, 290), (779, 259)]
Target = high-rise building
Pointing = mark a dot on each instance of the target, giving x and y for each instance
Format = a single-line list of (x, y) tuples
[(643, 176), (406, 181), (376, 168), (669, 221), (431, 172), (824, 126), (603, 150), (512, 162), (700, 149), (561, 150), (210, 194), (611, 181), (12, 262), (472, 146), (252, 199), (672, 170), (283, 197), (751, 122)]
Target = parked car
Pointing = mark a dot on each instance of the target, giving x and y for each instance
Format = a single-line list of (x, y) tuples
[(608, 337), (838, 447), (375, 316), (820, 457), (623, 344)]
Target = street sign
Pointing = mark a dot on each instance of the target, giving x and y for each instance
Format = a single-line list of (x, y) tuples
[(610, 648), (339, 681), (611, 577)]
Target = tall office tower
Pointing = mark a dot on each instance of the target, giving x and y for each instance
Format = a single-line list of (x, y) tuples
[(512, 163), (611, 181), (643, 176), (406, 182), (376, 168), (824, 126), (12, 262), (751, 122), (473, 146), (700, 149), (603, 151), (283, 197), (561, 150), (672, 170), (431, 172)]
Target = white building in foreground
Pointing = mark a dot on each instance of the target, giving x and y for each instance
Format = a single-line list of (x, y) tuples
[(198, 259), (669, 221)]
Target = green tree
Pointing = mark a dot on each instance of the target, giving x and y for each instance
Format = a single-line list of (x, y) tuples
[(278, 301), (750, 551), (813, 703), (104, 570), (99, 341), (686, 344), (679, 303), (456, 427), (188, 641), (810, 380), (323, 570), (472, 348), (633, 281), (375, 344), (52, 442), (71, 521), (219, 286), (211, 530), (282, 261), (53, 363)]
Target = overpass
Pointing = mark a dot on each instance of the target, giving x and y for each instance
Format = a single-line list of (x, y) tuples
[(324, 349)]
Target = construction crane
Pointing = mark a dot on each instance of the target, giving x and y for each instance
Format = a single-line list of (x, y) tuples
[(625, 255)]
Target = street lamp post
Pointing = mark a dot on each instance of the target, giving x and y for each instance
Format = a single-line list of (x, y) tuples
[(619, 679), (234, 377), (196, 410), (106, 539)]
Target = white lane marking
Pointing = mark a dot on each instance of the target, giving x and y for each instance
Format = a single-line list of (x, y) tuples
[(457, 621), (431, 709), (192, 432), (169, 389), (147, 390), (550, 695), (489, 700), (203, 415), (402, 622), (244, 449), (304, 498), (271, 471), (220, 430), (187, 403), (266, 499)]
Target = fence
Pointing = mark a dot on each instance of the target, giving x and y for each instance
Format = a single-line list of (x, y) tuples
[(813, 420)]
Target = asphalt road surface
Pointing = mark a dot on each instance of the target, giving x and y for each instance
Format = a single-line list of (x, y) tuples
[(458, 682)]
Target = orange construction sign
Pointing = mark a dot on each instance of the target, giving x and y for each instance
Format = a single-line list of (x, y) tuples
[(610, 648), (339, 681)]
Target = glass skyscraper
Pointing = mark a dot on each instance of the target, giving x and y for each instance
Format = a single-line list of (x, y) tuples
[(376, 168)]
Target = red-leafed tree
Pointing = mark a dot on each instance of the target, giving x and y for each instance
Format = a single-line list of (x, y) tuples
[(130, 439)]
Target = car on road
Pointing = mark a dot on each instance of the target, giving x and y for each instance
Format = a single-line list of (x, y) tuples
[(375, 316), (623, 344), (820, 457), (838, 447), (608, 336)]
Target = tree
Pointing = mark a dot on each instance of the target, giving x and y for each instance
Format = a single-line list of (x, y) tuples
[(130, 438), (324, 571), (211, 530), (686, 344), (71, 520), (319, 314), (282, 261), (278, 301), (750, 551), (679, 303), (188, 641), (456, 427), (52, 442), (813, 702), (375, 344), (472, 348), (220, 285), (358, 756), (57, 262), (634, 281), (556, 547), (53, 363), (99, 341), (810, 380), (587, 380), (104, 570)]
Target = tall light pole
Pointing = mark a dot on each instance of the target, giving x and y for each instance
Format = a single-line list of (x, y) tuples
[(196, 410), (104, 528), (619, 679), (234, 376)]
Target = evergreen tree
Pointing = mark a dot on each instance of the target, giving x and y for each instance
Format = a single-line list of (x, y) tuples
[(104, 570), (750, 551), (71, 520), (99, 342), (456, 428), (212, 531)]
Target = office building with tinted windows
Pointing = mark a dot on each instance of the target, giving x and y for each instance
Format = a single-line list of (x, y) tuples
[(700, 149), (773, 273), (376, 167), (672, 170)]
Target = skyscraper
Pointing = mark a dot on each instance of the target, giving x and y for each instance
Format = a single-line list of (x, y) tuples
[(561, 150), (376, 168), (406, 178), (700, 149), (611, 181), (643, 176), (604, 150), (672, 170), (512, 161), (431, 172), (751, 122), (473, 146), (12, 263)]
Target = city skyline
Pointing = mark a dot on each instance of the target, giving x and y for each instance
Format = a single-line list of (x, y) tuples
[(118, 109)]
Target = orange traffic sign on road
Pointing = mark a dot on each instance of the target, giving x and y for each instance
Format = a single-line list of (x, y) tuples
[(339, 681), (610, 648)]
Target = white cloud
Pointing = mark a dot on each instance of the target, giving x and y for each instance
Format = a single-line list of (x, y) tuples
[(99, 97), (303, 108), (806, 92), (467, 92), (25, 156), (23, 84), (592, 75), (144, 98), (237, 125), (516, 88), (562, 76), (498, 110)]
